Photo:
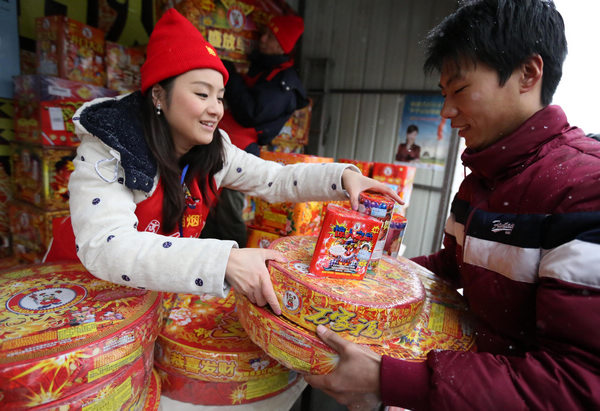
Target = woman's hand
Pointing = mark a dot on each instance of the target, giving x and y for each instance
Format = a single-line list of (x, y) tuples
[(247, 273), (355, 183)]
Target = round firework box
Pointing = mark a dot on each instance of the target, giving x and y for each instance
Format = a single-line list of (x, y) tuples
[(203, 339), (384, 304), (65, 332), (181, 388), (151, 399), (442, 324)]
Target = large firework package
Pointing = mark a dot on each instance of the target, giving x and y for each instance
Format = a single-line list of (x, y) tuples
[(399, 309), (70, 341)]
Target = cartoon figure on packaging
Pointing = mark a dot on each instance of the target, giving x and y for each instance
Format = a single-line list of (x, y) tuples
[(364, 254)]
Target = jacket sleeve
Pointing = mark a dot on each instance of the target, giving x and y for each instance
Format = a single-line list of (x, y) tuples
[(111, 248), (560, 370), (276, 183)]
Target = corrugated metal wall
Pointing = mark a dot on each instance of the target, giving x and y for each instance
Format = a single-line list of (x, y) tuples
[(358, 59)]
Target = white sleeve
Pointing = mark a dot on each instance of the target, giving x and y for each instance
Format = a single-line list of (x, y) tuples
[(111, 248), (276, 183)]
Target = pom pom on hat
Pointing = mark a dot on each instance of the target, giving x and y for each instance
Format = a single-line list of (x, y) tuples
[(287, 30), (175, 47)]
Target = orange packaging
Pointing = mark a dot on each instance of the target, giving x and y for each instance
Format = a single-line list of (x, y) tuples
[(383, 305), (292, 158), (40, 175), (345, 244), (68, 336), (442, 325), (296, 128), (189, 390), (381, 208), (69, 49), (399, 175), (31, 230), (395, 235), (365, 167), (259, 238), (203, 339)]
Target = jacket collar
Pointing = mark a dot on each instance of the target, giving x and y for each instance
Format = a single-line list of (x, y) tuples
[(117, 122), (512, 153)]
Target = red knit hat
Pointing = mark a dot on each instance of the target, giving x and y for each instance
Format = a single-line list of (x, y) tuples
[(287, 30), (175, 47)]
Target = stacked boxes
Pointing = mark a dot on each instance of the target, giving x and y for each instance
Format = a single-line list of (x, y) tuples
[(123, 65), (42, 155)]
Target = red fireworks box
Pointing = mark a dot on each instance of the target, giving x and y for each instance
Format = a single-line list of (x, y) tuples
[(70, 49), (40, 175), (68, 339), (345, 244), (398, 175), (123, 66), (365, 167)]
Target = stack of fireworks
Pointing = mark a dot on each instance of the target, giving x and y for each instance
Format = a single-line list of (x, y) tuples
[(72, 341), (275, 220), (389, 311), (205, 357), (42, 154)]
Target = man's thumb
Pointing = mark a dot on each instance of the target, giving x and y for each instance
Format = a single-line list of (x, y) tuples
[(331, 338)]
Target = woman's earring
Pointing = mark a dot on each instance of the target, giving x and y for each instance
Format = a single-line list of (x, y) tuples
[(158, 112)]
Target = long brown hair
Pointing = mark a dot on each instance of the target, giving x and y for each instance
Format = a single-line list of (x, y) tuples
[(204, 160)]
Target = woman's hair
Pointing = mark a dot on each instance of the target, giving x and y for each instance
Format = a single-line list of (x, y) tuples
[(204, 160)]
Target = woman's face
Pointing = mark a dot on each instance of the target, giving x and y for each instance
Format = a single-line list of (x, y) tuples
[(194, 108)]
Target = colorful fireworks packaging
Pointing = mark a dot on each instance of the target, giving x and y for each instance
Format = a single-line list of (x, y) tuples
[(440, 320), (31, 230), (379, 207), (296, 129), (190, 390), (395, 235), (151, 397), (398, 175), (383, 304), (258, 238), (123, 65), (365, 167), (72, 341), (69, 49), (41, 174), (44, 107), (203, 339), (345, 244)]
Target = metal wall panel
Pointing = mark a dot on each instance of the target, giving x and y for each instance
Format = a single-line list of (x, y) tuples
[(359, 58)]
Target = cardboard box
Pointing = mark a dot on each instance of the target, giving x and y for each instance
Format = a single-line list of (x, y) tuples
[(400, 175), (31, 230), (345, 244), (40, 175), (123, 66), (381, 208), (70, 49), (81, 336), (296, 129), (258, 238)]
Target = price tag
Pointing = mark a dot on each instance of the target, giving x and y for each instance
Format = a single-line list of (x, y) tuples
[(56, 118)]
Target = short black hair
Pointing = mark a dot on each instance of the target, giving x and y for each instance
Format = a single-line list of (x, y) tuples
[(411, 128), (502, 34)]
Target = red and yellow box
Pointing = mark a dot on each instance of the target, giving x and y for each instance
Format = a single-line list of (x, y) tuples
[(345, 244), (293, 158), (40, 175), (381, 208), (65, 333), (123, 67), (258, 238), (365, 167), (189, 390), (395, 235), (45, 105), (70, 49), (382, 305), (203, 339), (443, 323), (399, 175), (151, 398), (31, 230), (296, 129)]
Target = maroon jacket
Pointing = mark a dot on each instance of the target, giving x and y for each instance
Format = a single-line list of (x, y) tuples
[(523, 241)]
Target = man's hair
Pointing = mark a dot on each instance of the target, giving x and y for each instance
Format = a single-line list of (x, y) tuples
[(502, 34)]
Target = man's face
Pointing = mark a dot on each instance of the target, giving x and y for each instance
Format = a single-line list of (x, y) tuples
[(268, 44), (476, 104)]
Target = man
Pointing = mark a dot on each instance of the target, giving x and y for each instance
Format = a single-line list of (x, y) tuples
[(534, 285), (258, 105)]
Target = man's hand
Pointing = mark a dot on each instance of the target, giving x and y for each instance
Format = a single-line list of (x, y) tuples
[(355, 183), (355, 381), (247, 273)]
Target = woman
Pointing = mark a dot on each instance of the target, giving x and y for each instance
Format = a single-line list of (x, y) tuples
[(150, 164)]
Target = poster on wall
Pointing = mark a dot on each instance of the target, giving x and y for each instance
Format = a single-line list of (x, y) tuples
[(423, 135)]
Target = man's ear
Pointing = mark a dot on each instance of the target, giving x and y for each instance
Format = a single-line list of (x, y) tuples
[(531, 73)]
